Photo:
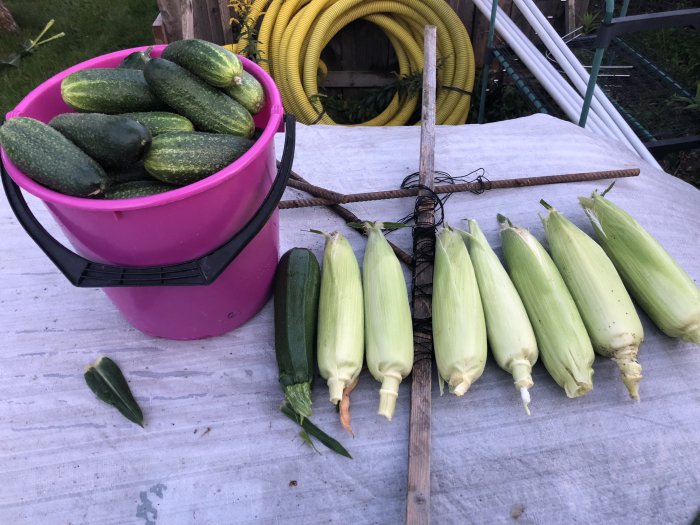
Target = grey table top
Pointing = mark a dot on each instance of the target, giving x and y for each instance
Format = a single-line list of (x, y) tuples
[(215, 448)]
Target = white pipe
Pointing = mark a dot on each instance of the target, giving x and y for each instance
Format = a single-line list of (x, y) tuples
[(550, 79), (580, 77)]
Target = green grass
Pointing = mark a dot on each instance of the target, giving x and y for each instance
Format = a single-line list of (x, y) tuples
[(92, 28)]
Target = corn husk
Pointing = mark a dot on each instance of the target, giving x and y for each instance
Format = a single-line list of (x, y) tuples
[(509, 332), (562, 339), (653, 278), (459, 328), (388, 324), (602, 300), (340, 339)]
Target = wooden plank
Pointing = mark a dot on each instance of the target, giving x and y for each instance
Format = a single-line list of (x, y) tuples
[(418, 491), (216, 29), (357, 79), (225, 17), (170, 14), (159, 36), (187, 19)]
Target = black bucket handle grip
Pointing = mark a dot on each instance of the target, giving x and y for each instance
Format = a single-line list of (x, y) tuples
[(84, 273)]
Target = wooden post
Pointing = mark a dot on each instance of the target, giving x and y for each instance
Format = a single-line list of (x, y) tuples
[(418, 494), (570, 16)]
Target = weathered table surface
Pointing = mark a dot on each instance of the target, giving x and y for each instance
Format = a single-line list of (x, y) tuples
[(215, 448)]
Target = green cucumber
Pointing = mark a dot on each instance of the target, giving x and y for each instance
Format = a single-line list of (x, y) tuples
[(108, 90), (208, 108), (134, 172), (184, 158), (249, 93), (159, 122), (112, 140), (137, 188), (297, 286), (136, 60), (212, 63), (49, 158)]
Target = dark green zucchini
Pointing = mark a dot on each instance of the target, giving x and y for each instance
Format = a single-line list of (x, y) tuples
[(159, 122), (137, 188), (184, 158), (249, 93), (49, 158), (108, 90), (136, 60), (297, 286), (112, 140), (208, 108), (212, 63)]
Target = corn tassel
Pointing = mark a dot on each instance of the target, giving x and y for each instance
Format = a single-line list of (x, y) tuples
[(661, 287), (562, 340), (602, 300), (389, 328), (459, 329), (340, 346), (510, 335)]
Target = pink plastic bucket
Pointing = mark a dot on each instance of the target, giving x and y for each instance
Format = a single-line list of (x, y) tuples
[(186, 224)]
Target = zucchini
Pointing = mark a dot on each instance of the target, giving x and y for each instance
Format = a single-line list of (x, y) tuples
[(137, 188), (184, 158), (159, 122), (297, 286), (49, 158), (249, 93), (136, 60), (108, 90), (208, 108), (212, 63), (112, 140)]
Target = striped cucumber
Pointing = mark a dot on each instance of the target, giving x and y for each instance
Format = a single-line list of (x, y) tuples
[(297, 286), (137, 188), (212, 63), (108, 90), (184, 158), (208, 108), (159, 122), (49, 158), (249, 93)]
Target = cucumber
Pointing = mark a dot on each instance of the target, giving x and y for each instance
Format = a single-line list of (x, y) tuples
[(212, 63), (184, 158), (108, 90), (297, 287), (137, 188), (135, 172), (136, 60), (49, 158), (112, 140), (249, 93), (208, 108), (159, 122)]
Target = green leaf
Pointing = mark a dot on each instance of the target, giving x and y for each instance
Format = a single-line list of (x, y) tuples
[(106, 380), (314, 431)]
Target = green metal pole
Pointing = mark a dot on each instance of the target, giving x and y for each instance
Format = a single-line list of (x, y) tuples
[(595, 68), (487, 60)]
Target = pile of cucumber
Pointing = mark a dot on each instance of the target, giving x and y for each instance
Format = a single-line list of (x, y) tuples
[(145, 127)]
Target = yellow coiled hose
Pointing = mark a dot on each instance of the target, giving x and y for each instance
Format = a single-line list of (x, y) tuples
[(293, 33)]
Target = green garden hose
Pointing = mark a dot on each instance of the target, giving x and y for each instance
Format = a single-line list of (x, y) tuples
[(293, 33)]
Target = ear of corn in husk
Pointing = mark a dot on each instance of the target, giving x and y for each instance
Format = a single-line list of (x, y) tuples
[(602, 300), (340, 339), (661, 287), (562, 340), (459, 329), (509, 332), (389, 328)]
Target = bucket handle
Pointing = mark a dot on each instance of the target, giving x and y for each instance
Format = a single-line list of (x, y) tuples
[(84, 273)]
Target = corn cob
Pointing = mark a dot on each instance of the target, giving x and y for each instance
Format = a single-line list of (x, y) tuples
[(661, 287), (562, 340), (340, 321), (509, 332), (389, 329), (459, 329), (602, 300)]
